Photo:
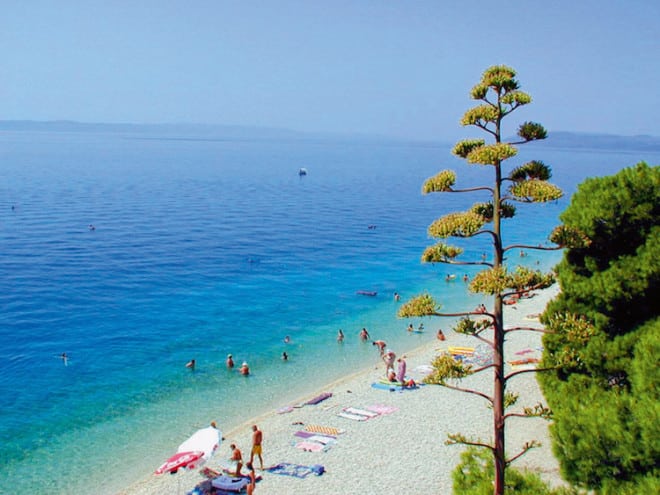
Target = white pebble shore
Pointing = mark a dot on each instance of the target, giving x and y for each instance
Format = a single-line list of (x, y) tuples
[(402, 452)]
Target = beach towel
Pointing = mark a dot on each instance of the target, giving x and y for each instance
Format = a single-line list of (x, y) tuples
[(315, 437), (384, 386), (324, 430), (319, 398), (308, 446), (296, 470), (357, 414), (361, 412), (354, 417), (382, 409)]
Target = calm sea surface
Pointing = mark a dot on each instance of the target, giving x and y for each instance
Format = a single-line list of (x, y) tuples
[(203, 248)]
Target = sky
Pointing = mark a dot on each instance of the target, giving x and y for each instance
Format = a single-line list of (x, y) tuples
[(394, 68)]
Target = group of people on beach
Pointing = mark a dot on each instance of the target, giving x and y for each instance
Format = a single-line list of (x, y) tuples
[(237, 459)]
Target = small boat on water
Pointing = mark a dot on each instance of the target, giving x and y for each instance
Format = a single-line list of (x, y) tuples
[(369, 293), (302, 171)]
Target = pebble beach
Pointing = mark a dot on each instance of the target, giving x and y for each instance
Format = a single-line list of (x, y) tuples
[(403, 448)]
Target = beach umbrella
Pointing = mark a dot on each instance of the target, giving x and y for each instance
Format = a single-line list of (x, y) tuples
[(193, 452)]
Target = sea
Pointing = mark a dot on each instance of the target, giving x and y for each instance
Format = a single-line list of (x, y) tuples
[(133, 253)]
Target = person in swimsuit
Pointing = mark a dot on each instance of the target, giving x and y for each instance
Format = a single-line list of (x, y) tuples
[(252, 477), (257, 438), (245, 369), (236, 457), (380, 344), (230, 361), (340, 336), (364, 335)]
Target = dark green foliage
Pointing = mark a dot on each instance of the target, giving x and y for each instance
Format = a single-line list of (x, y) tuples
[(507, 210), (617, 275), (605, 395), (474, 476), (535, 169), (531, 131)]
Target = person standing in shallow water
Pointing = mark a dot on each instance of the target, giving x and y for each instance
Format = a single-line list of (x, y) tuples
[(340, 336), (230, 361)]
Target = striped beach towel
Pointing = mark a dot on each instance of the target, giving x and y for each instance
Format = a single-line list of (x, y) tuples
[(324, 430)]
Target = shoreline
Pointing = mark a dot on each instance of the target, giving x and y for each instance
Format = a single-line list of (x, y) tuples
[(381, 453)]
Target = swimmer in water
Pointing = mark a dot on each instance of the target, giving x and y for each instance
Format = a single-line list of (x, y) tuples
[(191, 364)]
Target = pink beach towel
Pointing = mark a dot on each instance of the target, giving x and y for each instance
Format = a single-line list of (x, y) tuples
[(381, 409), (310, 446)]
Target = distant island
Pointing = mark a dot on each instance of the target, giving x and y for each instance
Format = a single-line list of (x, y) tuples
[(556, 139)]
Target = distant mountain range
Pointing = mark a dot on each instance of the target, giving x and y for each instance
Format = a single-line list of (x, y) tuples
[(556, 139), (562, 139)]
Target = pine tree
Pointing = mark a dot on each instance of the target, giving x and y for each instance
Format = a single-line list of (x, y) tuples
[(606, 337)]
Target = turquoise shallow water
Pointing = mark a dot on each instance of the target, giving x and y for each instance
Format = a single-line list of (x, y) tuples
[(203, 248)]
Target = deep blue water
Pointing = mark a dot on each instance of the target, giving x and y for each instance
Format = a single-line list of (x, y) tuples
[(203, 248)]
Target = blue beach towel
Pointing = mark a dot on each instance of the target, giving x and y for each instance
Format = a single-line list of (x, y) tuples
[(296, 470)]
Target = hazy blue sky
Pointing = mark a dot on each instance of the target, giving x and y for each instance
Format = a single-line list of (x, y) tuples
[(401, 68)]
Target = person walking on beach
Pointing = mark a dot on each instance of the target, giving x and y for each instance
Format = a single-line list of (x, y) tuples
[(252, 478), (257, 438), (236, 457), (440, 335)]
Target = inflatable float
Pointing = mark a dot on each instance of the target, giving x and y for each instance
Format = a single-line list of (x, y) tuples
[(230, 483), (462, 351)]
